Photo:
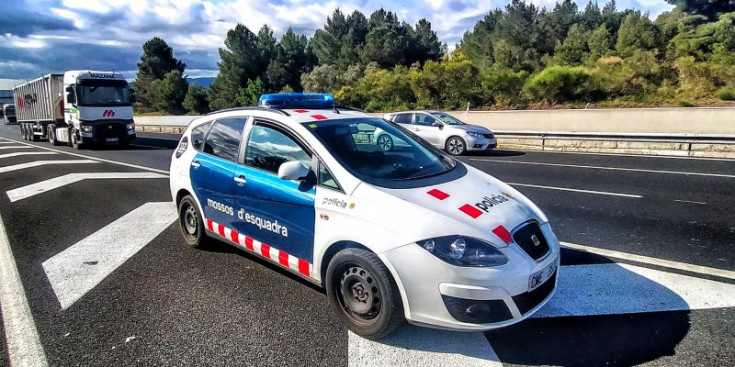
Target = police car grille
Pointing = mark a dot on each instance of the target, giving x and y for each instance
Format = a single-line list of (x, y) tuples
[(527, 301), (524, 238)]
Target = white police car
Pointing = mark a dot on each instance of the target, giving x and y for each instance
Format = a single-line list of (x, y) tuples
[(407, 233)]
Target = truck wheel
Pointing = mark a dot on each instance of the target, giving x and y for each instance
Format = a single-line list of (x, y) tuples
[(23, 131), (363, 293), (52, 135), (74, 140), (191, 223)]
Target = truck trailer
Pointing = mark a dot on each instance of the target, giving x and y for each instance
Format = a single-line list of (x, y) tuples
[(79, 108)]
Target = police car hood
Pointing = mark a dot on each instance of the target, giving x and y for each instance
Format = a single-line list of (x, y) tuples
[(473, 205)]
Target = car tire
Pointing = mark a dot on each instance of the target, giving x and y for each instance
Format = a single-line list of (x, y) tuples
[(51, 134), (385, 142), (191, 223), (362, 291), (455, 146)]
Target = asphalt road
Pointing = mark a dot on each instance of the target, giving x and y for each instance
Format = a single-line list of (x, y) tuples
[(167, 304)]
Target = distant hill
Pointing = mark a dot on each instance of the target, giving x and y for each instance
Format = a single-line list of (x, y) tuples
[(204, 82)]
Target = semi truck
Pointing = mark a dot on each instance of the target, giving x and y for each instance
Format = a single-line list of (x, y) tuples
[(79, 108)]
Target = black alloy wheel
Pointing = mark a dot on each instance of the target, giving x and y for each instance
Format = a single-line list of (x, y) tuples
[(191, 222)]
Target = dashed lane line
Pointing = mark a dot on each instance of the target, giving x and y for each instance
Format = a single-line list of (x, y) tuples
[(18, 154), (683, 173), (68, 179), (163, 172), (577, 190), (21, 336), (21, 166), (697, 269), (15, 147), (78, 269)]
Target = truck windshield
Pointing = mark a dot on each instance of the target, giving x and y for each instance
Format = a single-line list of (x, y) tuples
[(103, 94)]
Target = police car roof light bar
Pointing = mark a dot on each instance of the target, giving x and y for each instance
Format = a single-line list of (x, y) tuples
[(297, 100), (282, 112)]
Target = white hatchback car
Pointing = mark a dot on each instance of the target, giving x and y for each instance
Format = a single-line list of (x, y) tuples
[(405, 234), (443, 131)]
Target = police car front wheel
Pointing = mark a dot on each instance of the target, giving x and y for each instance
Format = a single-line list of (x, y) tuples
[(190, 222), (363, 293)]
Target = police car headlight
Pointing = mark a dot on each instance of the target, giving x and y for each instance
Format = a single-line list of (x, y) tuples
[(87, 128), (131, 126), (464, 251), (475, 135)]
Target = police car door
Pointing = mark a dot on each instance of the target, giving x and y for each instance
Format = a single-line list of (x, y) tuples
[(213, 170), (277, 212)]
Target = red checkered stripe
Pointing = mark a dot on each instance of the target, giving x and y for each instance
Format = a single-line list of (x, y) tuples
[(473, 212), (275, 255), (315, 117)]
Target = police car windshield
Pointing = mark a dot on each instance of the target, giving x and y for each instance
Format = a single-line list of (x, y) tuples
[(449, 120), (376, 151)]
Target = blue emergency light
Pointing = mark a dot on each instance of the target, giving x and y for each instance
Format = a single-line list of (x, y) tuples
[(297, 100)]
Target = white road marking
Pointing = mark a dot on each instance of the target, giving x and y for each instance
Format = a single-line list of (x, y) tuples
[(68, 179), (21, 336), (20, 166), (15, 147), (607, 289), (6, 142), (78, 269), (691, 202), (583, 290), (704, 270), (414, 346), (18, 154), (577, 190), (684, 173), (163, 172)]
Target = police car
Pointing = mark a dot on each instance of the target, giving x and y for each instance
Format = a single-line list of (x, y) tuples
[(408, 233)]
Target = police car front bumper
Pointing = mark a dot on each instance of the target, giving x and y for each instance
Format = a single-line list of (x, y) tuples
[(444, 296)]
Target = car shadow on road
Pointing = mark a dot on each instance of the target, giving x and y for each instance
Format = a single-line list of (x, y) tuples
[(620, 320)]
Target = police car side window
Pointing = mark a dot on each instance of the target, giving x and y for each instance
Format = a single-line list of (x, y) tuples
[(224, 138), (268, 148), (197, 135)]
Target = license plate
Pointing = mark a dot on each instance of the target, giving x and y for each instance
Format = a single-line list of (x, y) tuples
[(111, 140), (540, 277)]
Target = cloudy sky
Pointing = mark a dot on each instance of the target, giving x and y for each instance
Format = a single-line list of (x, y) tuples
[(42, 36)]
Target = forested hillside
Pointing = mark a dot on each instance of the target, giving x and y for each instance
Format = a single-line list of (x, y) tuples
[(517, 57)]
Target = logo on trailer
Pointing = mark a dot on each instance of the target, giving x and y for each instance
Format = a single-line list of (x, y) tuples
[(108, 113)]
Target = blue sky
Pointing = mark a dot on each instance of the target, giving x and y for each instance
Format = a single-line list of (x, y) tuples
[(42, 36)]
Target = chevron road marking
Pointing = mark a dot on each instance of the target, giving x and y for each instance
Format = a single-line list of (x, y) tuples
[(68, 179), (16, 147), (21, 166), (583, 290), (18, 154), (78, 269)]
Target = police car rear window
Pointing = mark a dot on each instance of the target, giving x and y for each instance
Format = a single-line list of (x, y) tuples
[(224, 139), (197, 135)]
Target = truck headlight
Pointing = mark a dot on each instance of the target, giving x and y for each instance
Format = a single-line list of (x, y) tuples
[(475, 135), (131, 126), (87, 128), (464, 251)]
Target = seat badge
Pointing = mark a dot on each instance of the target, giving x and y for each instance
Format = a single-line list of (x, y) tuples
[(535, 240)]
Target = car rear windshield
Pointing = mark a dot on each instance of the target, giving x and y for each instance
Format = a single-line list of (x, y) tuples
[(382, 153)]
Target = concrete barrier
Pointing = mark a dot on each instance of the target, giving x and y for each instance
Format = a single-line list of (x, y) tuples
[(688, 123)]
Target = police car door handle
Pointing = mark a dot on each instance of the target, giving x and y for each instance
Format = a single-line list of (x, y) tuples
[(240, 179), (195, 164)]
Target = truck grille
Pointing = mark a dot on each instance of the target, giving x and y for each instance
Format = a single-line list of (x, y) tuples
[(530, 238), (111, 130)]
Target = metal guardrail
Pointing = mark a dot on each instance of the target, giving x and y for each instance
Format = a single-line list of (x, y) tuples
[(626, 137)]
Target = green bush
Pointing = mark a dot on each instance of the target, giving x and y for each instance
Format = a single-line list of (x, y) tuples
[(726, 94), (557, 84)]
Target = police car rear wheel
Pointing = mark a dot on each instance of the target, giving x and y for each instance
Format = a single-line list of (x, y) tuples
[(363, 293), (190, 222)]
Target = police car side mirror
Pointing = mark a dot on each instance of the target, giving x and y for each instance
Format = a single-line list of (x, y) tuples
[(292, 170)]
